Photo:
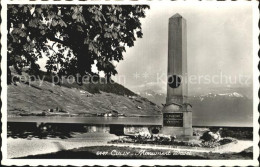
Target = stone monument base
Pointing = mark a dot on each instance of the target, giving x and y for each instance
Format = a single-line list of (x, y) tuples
[(177, 131), (177, 120)]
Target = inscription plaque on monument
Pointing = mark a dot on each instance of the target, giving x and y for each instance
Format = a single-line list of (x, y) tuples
[(173, 119)]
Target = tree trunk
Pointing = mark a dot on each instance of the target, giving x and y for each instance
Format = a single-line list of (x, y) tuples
[(9, 76), (84, 64)]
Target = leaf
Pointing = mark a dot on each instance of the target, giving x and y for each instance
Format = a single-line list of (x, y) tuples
[(54, 23), (80, 9), (39, 10), (106, 35), (139, 34), (91, 47), (74, 16), (33, 23), (25, 9), (79, 28), (95, 32), (96, 18), (86, 41), (23, 34), (114, 34), (95, 50), (41, 27), (62, 23)]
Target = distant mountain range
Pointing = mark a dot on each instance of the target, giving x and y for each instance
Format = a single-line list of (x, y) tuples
[(226, 109)]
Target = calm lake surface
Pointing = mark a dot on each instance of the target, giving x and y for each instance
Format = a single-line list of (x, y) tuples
[(147, 120), (91, 120)]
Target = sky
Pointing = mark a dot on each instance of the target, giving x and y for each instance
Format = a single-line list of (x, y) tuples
[(219, 40)]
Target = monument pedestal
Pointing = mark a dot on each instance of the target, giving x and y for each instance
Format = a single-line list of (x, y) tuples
[(177, 131), (177, 120)]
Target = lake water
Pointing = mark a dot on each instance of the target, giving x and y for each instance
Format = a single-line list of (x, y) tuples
[(91, 120), (148, 120)]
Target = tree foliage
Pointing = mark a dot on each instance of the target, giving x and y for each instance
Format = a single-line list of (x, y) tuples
[(73, 37)]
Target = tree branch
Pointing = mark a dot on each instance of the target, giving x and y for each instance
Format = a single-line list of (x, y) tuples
[(52, 38)]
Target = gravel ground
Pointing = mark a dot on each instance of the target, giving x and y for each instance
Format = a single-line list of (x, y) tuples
[(236, 148), (23, 147)]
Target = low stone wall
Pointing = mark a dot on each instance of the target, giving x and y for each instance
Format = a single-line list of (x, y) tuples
[(144, 129), (99, 128), (121, 129), (19, 127), (135, 129)]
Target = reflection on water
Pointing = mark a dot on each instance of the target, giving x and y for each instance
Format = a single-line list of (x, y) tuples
[(92, 120), (145, 120)]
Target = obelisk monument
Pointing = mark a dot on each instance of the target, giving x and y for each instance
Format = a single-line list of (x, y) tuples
[(177, 113)]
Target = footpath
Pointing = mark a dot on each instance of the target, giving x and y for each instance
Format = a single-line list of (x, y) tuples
[(36, 146)]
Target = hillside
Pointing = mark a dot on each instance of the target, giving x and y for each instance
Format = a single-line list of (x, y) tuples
[(44, 98)]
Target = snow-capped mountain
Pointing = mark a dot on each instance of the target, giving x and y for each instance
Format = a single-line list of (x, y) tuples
[(225, 108), (234, 94), (222, 95)]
